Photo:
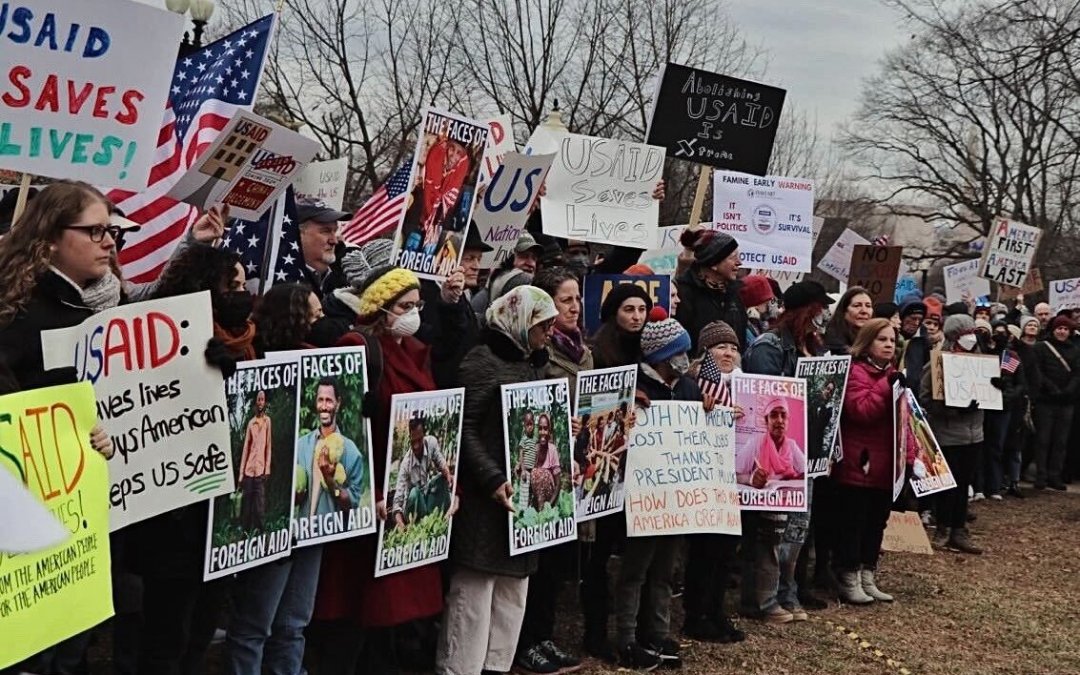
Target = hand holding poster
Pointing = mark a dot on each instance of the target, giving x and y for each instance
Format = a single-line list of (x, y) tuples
[(1010, 252), (420, 480), (967, 379), (771, 217), (875, 268), (597, 287), (87, 88), (445, 174), (247, 167), (681, 473), (713, 119), (826, 383), (251, 526), (963, 283), (930, 471), (770, 460), (600, 190), (158, 399), (605, 409), (324, 181), (502, 211), (334, 483), (51, 595), (538, 460), (837, 260)]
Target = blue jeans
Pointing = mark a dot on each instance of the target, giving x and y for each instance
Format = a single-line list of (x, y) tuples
[(272, 605)]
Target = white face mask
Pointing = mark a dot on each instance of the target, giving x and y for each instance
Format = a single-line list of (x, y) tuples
[(680, 364), (967, 342), (406, 324)]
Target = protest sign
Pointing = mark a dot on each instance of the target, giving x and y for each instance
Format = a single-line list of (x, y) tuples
[(826, 382), (967, 378), (1064, 294), (247, 167), (783, 278), (501, 213), (1033, 284), (664, 257), (160, 402), (324, 181), (445, 175), (680, 477), (500, 143), (904, 533), (901, 427), (597, 287), (930, 471), (87, 89), (1008, 254), (713, 119), (906, 284), (421, 476), (605, 406), (600, 190), (963, 283), (772, 218), (538, 460), (875, 268), (770, 460), (334, 481), (50, 595), (251, 526), (837, 260), (937, 376)]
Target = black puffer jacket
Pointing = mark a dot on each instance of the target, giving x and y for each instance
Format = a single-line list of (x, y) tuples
[(481, 536), (452, 330), (701, 305), (1057, 383)]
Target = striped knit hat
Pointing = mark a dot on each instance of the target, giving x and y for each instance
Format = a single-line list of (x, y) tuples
[(660, 340)]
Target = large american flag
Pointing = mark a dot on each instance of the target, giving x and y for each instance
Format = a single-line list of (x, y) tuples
[(711, 381), (208, 87), (382, 212), (269, 247)]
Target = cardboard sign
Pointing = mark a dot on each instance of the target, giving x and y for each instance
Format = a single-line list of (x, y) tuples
[(334, 484), (537, 439), (446, 170), (158, 399), (826, 382), (420, 481), (837, 260), (967, 378), (1033, 284), (597, 287), (963, 283), (714, 119), (251, 526), (770, 458), (905, 534), (85, 87), (930, 470), (681, 473), (500, 143), (503, 210), (605, 404), (937, 376), (247, 167), (1008, 255), (1064, 294), (784, 279), (324, 181), (51, 595), (771, 217), (600, 190), (875, 269)]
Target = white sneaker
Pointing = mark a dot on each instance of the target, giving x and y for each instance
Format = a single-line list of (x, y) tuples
[(996, 498), (978, 496)]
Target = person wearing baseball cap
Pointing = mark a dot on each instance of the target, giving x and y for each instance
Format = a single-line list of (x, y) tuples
[(319, 244), (709, 290), (514, 271)]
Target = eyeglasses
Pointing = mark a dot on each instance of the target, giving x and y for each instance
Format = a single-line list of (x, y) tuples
[(97, 232)]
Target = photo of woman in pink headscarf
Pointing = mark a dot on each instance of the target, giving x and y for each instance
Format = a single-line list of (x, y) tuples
[(776, 455)]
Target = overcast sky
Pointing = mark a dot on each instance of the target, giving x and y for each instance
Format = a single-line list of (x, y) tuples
[(820, 51)]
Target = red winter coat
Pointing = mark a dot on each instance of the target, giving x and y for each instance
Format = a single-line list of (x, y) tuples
[(866, 429)]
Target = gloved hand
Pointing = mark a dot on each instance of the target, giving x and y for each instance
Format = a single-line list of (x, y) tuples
[(974, 405), (219, 357), (897, 376), (997, 382)]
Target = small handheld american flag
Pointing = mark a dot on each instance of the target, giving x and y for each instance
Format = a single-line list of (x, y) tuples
[(711, 381), (1009, 361)]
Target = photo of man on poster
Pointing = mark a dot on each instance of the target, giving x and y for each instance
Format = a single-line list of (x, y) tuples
[(776, 455), (424, 481), (336, 467), (255, 466)]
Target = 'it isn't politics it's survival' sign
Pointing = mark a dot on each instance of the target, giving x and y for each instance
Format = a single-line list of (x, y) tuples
[(83, 87)]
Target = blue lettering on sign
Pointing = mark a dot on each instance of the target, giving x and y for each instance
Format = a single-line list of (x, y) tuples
[(519, 205), (19, 22)]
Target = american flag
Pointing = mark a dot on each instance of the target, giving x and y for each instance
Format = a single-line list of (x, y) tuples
[(880, 240), (1009, 361), (711, 381), (382, 212), (208, 86), (269, 247)]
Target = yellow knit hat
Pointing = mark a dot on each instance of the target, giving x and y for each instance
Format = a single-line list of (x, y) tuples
[(382, 289)]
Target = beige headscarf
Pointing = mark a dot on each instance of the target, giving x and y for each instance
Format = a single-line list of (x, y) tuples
[(519, 310)]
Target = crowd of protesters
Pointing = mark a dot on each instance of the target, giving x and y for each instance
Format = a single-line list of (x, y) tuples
[(323, 611)]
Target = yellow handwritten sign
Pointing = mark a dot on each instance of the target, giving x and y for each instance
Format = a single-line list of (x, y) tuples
[(51, 595)]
